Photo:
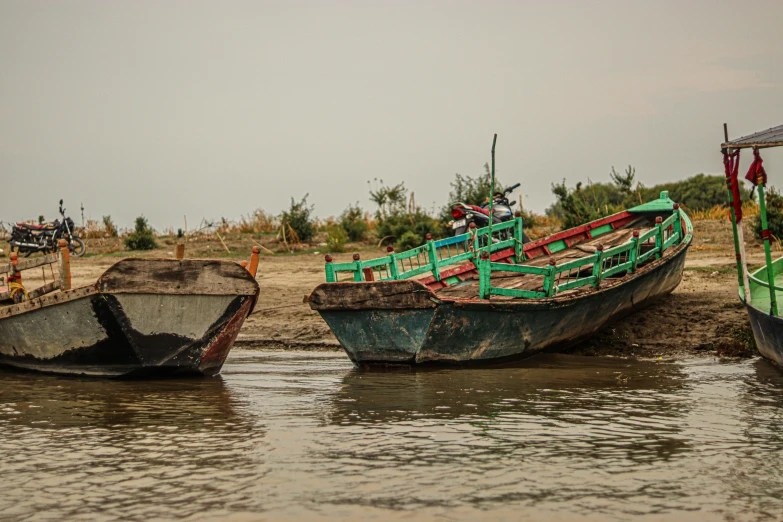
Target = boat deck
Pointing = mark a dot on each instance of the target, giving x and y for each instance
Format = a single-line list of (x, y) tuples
[(469, 288)]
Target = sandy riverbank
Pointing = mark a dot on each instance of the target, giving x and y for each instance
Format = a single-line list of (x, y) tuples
[(701, 317)]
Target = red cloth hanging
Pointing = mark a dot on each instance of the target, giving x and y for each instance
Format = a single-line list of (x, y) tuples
[(731, 163), (756, 169)]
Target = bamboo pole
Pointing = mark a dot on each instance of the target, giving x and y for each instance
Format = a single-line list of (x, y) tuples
[(773, 310), (488, 286), (736, 228)]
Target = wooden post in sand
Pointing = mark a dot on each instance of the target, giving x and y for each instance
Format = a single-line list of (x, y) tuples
[(254, 257), (180, 251), (64, 264)]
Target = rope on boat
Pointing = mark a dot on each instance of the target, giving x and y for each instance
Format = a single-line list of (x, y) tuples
[(17, 288)]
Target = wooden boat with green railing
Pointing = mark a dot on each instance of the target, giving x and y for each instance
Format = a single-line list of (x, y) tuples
[(454, 301), (757, 290)]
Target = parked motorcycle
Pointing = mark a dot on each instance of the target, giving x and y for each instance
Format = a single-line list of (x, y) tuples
[(465, 214), (27, 238)]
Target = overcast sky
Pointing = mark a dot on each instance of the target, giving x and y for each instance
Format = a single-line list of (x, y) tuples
[(213, 109)]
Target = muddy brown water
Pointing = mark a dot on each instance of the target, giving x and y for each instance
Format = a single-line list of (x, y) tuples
[(298, 436)]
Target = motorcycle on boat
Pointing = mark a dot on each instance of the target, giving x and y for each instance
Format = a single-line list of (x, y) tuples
[(465, 214), (28, 238)]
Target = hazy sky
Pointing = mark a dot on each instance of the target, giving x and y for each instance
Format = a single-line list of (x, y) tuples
[(216, 108)]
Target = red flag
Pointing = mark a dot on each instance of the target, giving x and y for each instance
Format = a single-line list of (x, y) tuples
[(731, 163), (756, 169)]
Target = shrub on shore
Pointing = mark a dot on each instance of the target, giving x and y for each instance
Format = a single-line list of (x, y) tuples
[(354, 224), (399, 220), (299, 217), (142, 237)]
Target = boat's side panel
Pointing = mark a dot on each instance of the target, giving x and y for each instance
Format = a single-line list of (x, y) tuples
[(768, 331), (380, 335), (482, 331), (125, 334), (48, 332), (78, 336)]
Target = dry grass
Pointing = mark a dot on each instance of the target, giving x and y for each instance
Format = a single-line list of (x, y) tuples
[(749, 209)]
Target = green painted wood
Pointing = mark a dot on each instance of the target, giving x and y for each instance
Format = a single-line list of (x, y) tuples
[(603, 229), (622, 267), (634, 254), (576, 263), (514, 292), (432, 254), (557, 246), (582, 281), (520, 269), (662, 204), (767, 253), (518, 235)]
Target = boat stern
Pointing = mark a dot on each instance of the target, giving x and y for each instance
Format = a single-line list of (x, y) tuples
[(383, 321)]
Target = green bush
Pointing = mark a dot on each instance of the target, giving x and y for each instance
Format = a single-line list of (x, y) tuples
[(142, 237), (596, 200), (774, 204), (108, 226), (353, 223), (399, 219), (300, 217), (336, 238)]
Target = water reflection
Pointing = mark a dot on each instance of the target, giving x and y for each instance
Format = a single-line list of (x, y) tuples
[(116, 448), (295, 435)]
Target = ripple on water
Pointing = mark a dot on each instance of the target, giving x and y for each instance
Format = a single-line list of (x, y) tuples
[(301, 435)]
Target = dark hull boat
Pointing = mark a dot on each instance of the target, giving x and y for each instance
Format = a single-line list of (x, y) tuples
[(150, 317), (472, 306)]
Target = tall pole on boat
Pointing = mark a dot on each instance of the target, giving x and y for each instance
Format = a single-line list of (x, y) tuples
[(491, 219), (773, 308), (736, 228)]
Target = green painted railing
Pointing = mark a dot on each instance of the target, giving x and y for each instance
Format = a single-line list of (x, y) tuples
[(433, 256), (588, 270)]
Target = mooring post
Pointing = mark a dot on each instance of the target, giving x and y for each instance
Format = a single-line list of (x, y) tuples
[(180, 251), (254, 258), (64, 264)]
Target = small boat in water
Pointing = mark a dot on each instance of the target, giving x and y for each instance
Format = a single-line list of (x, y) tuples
[(143, 317), (476, 304), (757, 290)]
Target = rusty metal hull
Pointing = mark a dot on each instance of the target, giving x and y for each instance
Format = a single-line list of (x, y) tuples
[(768, 332), (118, 329), (430, 330)]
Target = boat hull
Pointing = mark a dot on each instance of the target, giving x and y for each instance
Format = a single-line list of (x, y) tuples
[(768, 332), (428, 330), (114, 329)]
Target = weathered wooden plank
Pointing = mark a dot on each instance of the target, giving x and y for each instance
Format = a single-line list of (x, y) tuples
[(172, 276), (381, 295), (43, 290), (47, 300)]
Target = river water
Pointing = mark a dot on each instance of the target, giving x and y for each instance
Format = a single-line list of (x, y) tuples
[(300, 436)]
